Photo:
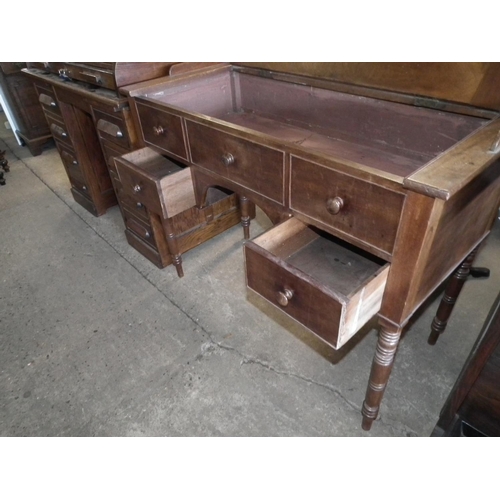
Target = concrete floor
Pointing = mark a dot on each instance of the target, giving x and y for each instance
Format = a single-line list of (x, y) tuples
[(97, 341)]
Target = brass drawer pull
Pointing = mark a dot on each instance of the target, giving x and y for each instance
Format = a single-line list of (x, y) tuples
[(284, 297), (159, 130), (139, 205), (137, 188), (74, 162), (228, 159), (334, 205), (147, 234), (84, 188)]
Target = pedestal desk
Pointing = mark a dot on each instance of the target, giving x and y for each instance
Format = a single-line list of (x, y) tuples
[(380, 179)]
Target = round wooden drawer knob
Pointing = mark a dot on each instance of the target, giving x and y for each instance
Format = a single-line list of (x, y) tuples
[(284, 297), (228, 159), (334, 205)]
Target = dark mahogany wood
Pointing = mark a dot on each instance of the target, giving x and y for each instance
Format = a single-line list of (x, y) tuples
[(158, 202), (398, 159), (23, 104), (473, 405), (450, 297)]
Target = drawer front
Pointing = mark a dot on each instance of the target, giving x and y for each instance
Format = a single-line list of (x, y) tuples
[(138, 188), (136, 208), (58, 130), (95, 76), (366, 211), (46, 97), (139, 228), (80, 186), (111, 151), (71, 164), (251, 165), (163, 130), (112, 128), (272, 279)]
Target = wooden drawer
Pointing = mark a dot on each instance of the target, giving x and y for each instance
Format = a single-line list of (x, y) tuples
[(71, 163), (111, 151), (47, 98), (251, 165), (80, 186), (147, 177), (139, 227), (351, 206), (163, 130), (136, 208), (58, 130), (112, 128), (331, 288)]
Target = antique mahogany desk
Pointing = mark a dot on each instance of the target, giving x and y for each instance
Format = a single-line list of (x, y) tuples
[(380, 179)]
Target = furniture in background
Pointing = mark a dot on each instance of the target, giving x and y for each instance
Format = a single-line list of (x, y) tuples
[(91, 123), (381, 179), (473, 406), (22, 101)]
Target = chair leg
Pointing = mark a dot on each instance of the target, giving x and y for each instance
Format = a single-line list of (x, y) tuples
[(452, 291)]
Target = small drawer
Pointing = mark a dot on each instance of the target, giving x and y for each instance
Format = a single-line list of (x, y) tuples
[(254, 166), (328, 286), (346, 204), (80, 186), (163, 130), (139, 227), (136, 208), (96, 76), (111, 151), (58, 130), (159, 184), (112, 128), (46, 97), (71, 164)]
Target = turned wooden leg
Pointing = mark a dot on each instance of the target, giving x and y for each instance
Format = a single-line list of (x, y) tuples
[(173, 247), (451, 293), (381, 369), (245, 216)]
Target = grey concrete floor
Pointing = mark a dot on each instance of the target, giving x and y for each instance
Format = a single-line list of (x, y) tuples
[(97, 341)]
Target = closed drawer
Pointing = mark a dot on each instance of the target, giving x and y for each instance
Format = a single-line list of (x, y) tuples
[(136, 208), (139, 227), (159, 184), (46, 97), (251, 165), (112, 128), (366, 211), (111, 151), (80, 186), (101, 77), (58, 130), (329, 287), (71, 164), (163, 130), (97, 76)]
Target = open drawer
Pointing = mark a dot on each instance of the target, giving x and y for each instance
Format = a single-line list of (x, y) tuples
[(328, 286)]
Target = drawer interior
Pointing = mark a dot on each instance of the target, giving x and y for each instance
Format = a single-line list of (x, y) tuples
[(389, 136), (323, 273)]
